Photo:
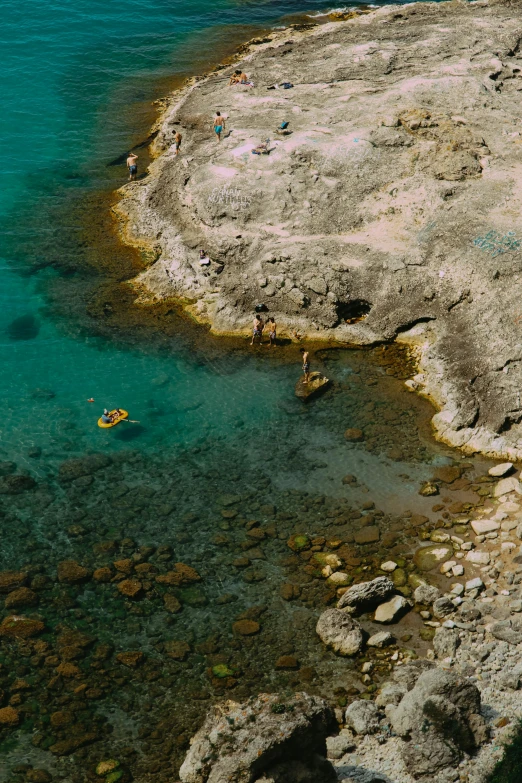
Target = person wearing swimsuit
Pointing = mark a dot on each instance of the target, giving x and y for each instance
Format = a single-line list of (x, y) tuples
[(177, 141), (272, 332), (219, 124), (306, 365), (258, 330), (132, 166)]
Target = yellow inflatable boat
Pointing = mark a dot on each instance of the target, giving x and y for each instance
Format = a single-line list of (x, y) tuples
[(118, 417)]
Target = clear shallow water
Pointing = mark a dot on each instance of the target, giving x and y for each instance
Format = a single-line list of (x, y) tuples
[(78, 79)]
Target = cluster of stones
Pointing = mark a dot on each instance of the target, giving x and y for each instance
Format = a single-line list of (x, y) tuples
[(476, 633), (426, 720), (331, 547)]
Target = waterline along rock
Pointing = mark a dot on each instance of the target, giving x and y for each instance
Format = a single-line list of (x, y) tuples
[(389, 210)]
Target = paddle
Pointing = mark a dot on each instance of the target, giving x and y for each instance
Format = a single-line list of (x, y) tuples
[(130, 421)]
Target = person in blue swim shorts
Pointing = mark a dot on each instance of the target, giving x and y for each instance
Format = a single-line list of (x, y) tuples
[(219, 124), (132, 166)]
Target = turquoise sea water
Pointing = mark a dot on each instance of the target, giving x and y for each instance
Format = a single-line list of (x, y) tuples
[(217, 430), (78, 79)]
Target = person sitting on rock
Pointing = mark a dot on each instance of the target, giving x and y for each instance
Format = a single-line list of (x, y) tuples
[(204, 260)]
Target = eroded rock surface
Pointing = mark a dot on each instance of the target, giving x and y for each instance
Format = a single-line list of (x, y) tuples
[(338, 630), (391, 208), (265, 739), (367, 595), (440, 718)]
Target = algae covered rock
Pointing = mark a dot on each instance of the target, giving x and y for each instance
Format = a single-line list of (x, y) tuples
[(429, 557), (70, 572), (105, 767), (22, 596), (246, 627), (132, 658), (9, 716), (15, 485), (317, 383), (299, 542), (11, 580), (18, 627)]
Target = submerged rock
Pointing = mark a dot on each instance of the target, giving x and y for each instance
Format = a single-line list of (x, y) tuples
[(18, 627), (429, 557), (270, 738), (353, 435), (84, 466), (22, 596), (11, 580), (15, 485), (70, 572), (9, 716)]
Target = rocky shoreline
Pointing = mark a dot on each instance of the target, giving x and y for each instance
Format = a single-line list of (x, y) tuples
[(151, 590), (445, 716), (389, 211)]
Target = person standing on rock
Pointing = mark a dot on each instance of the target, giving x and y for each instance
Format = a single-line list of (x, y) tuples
[(272, 331), (258, 329), (219, 125), (306, 365), (177, 141), (132, 166)]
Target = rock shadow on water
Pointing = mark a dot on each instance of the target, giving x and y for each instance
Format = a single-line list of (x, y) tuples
[(26, 327)]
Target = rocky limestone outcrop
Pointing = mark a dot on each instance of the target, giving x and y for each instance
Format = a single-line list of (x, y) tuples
[(389, 211), (439, 719), (268, 740)]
